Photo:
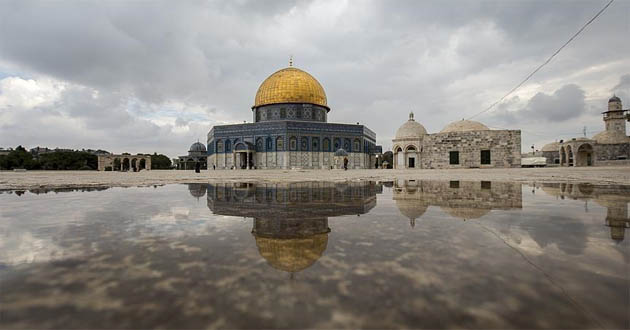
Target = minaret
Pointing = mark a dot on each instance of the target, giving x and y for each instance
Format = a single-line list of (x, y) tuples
[(614, 118)]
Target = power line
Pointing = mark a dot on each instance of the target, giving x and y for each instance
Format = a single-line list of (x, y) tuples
[(544, 63)]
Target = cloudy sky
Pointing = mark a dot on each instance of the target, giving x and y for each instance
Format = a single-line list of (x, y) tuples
[(156, 76)]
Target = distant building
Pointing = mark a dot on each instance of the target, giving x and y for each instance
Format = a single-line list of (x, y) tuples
[(124, 162), (196, 154), (461, 144), (610, 147)]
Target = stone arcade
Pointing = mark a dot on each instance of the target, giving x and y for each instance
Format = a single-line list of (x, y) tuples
[(290, 130), (461, 144), (610, 147), (132, 163)]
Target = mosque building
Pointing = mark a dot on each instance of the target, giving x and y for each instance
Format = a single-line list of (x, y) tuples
[(196, 154), (610, 147), (461, 144), (290, 129)]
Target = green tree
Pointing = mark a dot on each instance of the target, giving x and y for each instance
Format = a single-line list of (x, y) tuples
[(160, 162), (19, 158), (69, 160)]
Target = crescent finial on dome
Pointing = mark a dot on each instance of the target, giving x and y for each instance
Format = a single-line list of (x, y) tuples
[(411, 115)]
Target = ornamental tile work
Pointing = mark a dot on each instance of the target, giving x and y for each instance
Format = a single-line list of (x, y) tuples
[(289, 130)]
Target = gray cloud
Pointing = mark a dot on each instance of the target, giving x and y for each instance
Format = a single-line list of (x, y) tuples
[(444, 61), (563, 104)]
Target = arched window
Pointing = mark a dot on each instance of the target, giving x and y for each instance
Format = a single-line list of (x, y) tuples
[(346, 145), (357, 145), (259, 145), (293, 143), (337, 144), (326, 145), (315, 144), (269, 144), (304, 144), (279, 144), (228, 146), (219, 146)]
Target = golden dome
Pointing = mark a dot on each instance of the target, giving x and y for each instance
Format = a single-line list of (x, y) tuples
[(290, 85), (292, 254)]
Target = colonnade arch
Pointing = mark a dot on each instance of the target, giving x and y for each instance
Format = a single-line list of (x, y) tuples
[(124, 163), (407, 157), (577, 154)]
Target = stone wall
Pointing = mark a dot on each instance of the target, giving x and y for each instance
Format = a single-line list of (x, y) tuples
[(552, 156), (611, 152), (504, 146)]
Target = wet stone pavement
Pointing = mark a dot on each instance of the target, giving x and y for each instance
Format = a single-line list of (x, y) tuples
[(404, 254)]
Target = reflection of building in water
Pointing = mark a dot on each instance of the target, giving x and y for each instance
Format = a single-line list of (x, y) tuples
[(291, 220), (614, 198), (460, 199), (197, 190)]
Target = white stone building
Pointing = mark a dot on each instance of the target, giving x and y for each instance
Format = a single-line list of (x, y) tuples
[(610, 147), (461, 144)]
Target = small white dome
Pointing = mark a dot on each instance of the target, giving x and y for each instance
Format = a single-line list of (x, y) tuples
[(411, 129), (464, 126), (553, 146)]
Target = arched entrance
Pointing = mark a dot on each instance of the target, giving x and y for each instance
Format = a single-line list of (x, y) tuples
[(584, 155), (134, 165), (244, 155), (410, 154), (399, 158), (142, 164), (563, 157), (126, 165)]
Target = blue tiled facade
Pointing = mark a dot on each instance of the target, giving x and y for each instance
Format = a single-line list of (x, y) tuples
[(302, 143)]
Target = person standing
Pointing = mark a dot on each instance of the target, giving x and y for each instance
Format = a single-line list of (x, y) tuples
[(345, 163)]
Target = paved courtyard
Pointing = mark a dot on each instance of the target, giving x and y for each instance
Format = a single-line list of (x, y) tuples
[(34, 179)]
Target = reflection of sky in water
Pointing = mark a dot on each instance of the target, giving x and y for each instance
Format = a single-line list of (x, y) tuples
[(425, 254)]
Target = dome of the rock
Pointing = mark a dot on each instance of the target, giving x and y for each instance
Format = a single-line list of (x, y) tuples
[(290, 85)]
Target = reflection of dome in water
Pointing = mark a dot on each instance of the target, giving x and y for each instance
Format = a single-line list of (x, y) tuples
[(466, 213), (292, 254), (197, 190), (411, 209), (552, 190)]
